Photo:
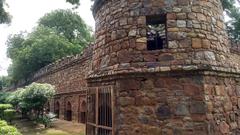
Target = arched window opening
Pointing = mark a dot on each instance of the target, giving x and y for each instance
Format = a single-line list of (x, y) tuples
[(57, 109), (68, 112), (82, 112)]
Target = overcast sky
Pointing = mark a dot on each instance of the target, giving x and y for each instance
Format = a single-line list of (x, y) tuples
[(26, 13)]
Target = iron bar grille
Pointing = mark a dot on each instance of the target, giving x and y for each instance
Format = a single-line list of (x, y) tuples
[(100, 111)]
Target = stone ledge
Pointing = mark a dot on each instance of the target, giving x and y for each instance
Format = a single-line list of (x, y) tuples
[(207, 70)]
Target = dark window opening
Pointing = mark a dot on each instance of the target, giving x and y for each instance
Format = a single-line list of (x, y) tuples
[(156, 32), (68, 113), (82, 112), (57, 109)]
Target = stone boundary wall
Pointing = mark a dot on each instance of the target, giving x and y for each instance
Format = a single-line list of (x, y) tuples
[(64, 63)]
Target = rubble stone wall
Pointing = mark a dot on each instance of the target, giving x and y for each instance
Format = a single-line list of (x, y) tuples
[(195, 33), (167, 91), (178, 103), (68, 75)]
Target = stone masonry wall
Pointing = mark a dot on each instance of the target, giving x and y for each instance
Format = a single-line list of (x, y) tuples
[(161, 105), (197, 102), (222, 97), (195, 33), (166, 92), (68, 75)]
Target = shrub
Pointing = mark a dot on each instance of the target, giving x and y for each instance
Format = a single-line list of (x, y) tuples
[(8, 130), (3, 123), (46, 121), (4, 107), (9, 114)]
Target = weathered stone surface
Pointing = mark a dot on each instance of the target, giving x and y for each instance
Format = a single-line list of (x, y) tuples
[(198, 107), (182, 109), (163, 112), (224, 127)]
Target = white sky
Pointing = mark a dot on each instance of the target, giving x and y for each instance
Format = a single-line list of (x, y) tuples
[(25, 15)]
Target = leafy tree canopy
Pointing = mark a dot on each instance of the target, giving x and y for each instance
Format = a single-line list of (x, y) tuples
[(4, 16), (36, 50), (233, 26), (58, 34), (68, 24), (4, 82)]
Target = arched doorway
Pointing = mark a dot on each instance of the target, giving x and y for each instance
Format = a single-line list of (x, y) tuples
[(57, 109), (68, 113), (82, 112)]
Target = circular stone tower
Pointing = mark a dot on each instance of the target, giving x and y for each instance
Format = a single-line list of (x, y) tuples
[(138, 35), (149, 65)]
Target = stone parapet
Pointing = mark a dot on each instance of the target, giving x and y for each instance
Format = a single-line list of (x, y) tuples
[(64, 63)]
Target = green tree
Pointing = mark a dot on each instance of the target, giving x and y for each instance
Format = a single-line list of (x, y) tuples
[(14, 44), (4, 16), (38, 49), (4, 82), (68, 24), (233, 26)]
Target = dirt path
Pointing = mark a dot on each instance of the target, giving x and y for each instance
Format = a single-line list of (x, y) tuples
[(59, 127)]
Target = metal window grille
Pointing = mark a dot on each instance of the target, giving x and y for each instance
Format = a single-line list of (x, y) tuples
[(100, 111), (156, 32)]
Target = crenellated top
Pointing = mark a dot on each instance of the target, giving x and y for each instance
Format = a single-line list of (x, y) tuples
[(64, 63)]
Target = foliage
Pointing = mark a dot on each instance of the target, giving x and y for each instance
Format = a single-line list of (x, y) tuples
[(32, 98), (233, 26), (9, 114), (14, 44), (36, 95), (8, 130), (46, 121), (4, 107), (15, 97), (59, 34), (70, 25), (3, 123), (5, 82), (41, 47), (4, 16), (4, 97)]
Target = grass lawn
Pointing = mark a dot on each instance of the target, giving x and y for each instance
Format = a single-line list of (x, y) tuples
[(59, 127)]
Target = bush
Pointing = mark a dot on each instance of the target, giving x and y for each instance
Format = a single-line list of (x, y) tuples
[(9, 114), (46, 121), (3, 123), (8, 130), (4, 107)]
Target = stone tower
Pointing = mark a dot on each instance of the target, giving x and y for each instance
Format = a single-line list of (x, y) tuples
[(162, 67)]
